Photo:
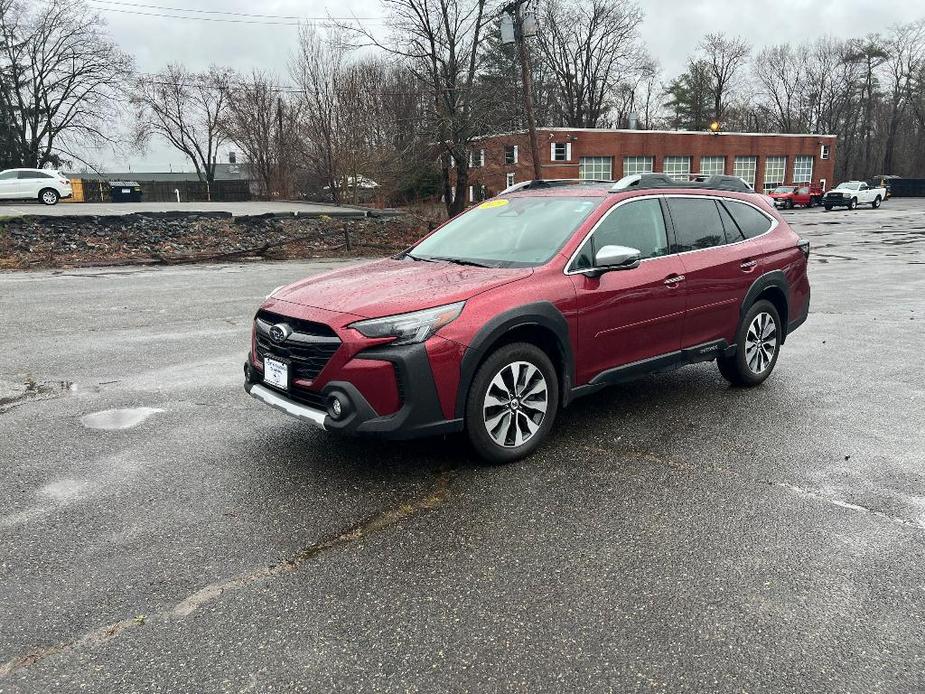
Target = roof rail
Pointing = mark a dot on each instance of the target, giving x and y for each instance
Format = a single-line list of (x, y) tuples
[(662, 180), (541, 183)]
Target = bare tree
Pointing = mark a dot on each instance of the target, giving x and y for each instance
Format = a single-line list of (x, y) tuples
[(726, 58), (187, 110), (61, 78), (906, 56), (264, 123), (870, 54), (778, 70), (588, 44), (439, 44)]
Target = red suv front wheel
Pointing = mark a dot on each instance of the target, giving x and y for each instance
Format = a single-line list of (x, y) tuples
[(512, 403)]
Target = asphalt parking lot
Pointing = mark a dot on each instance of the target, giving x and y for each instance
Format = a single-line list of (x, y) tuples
[(236, 208), (673, 535)]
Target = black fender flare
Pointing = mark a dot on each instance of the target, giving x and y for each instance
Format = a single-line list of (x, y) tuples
[(776, 279), (542, 314)]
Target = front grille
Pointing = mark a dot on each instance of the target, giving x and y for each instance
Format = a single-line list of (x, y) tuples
[(308, 348)]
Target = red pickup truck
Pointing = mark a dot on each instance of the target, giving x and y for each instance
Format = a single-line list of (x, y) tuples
[(789, 197)]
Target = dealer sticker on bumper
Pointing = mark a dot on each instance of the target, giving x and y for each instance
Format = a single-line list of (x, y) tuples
[(275, 373)]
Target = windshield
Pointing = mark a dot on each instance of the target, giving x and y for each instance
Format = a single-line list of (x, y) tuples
[(783, 189), (508, 232), (851, 185)]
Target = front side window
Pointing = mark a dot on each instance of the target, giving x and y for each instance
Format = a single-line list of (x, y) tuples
[(638, 165), (775, 169), (677, 168), (745, 168), (697, 224), (752, 222), (8, 175), (508, 232), (638, 224), (595, 168)]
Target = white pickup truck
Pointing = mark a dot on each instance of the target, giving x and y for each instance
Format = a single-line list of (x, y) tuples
[(853, 193)]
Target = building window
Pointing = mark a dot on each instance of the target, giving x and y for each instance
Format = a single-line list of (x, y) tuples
[(678, 168), (477, 161), (745, 168), (713, 166), (824, 152), (509, 180), (595, 168), (511, 155), (560, 151), (638, 165), (803, 169), (775, 171)]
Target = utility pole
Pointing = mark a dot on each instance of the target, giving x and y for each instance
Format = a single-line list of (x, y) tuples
[(513, 10)]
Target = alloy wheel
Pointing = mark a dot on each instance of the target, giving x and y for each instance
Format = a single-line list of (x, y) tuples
[(49, 197), (515, 404), (760, 343)]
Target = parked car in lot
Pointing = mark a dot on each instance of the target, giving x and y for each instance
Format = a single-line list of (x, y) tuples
[(850, 194), (513, 309), (45, 185), (788, 197)]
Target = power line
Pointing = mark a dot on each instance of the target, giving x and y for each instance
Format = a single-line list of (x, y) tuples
[(235, 18), (193, 11)]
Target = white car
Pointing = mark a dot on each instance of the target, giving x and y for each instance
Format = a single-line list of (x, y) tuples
[(850, 194), (46, 185)]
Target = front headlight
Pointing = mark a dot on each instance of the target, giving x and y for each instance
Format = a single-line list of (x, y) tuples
[(410, 328)]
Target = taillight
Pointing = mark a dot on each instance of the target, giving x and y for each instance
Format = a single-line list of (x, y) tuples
[(803, 245)]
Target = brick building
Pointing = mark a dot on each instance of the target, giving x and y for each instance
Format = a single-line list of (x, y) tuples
[(764, 160)]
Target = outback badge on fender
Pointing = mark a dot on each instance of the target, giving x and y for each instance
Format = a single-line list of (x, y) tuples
[(280, 332)]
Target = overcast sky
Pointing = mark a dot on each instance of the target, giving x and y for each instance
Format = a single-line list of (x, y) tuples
[(671, 30)]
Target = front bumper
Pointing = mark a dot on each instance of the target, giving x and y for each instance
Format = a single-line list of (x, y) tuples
[(420, 413)]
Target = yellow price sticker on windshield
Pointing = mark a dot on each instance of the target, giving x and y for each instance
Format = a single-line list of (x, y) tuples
[(488, 204)]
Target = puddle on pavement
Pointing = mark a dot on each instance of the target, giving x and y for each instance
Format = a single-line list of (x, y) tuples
[(114, 420)]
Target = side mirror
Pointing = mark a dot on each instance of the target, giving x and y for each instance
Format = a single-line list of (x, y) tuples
[(611, 258)]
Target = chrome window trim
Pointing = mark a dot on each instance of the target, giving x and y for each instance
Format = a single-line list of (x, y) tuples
[(658, 196)]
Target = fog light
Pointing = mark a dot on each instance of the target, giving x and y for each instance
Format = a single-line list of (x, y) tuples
[(335, 408)]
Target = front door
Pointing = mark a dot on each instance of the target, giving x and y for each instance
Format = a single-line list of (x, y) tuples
[(625, 316), (9, 185)]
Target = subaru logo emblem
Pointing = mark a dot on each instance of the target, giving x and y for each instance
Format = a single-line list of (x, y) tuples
[(280, 332)]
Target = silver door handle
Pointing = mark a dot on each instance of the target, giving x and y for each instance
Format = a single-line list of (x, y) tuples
[(674, 280), (748, 264)]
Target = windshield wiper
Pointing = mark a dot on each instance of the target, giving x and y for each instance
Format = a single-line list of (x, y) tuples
[(459, 261), (417, 258)]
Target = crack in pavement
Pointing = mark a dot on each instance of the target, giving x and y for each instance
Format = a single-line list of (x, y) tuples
[(816, 494), (375, 523), (30, 390)]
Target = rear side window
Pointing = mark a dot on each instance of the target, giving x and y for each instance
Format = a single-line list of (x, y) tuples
[(697, 224), (34, 174), (638, 225), (733, 233), (752, 222)]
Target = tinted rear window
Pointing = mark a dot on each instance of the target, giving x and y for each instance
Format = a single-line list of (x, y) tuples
[(697, 223), (752, 222)]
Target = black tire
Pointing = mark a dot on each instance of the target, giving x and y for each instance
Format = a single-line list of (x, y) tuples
[(789, 204), (876, 203), (853, 205), (49, 196), (479, 412), (741, 368)]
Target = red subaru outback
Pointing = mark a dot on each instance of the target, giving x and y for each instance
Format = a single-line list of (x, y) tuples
[(513, 309)]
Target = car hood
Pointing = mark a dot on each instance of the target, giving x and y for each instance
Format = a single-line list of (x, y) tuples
[(782, 195), (387, 287)]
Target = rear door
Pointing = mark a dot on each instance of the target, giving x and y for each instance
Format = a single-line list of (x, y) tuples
[(625, 316), (718, 267)]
